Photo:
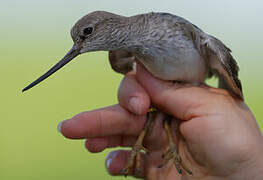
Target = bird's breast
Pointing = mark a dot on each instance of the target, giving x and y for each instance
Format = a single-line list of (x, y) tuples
[(182, 65)]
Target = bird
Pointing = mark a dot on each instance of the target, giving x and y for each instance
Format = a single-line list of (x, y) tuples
[(170, 47)]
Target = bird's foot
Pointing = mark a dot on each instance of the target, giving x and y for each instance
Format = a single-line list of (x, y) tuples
[(134, 159), (172, 154), (135, 156)]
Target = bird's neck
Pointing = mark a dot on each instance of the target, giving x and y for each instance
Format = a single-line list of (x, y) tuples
[(130, 33)]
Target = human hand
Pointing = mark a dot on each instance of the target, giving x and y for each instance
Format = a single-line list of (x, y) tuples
[(221, 139)]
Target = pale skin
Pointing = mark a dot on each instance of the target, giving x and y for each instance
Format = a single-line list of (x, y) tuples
[(221, 139)]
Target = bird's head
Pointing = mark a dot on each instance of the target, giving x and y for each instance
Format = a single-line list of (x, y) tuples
[(99, 30), (96, 31)]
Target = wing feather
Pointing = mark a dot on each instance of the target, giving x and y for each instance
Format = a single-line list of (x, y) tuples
[(222, 64), (121, 61)]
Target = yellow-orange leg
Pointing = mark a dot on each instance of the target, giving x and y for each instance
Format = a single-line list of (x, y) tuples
[(135, 156), (172, 151)]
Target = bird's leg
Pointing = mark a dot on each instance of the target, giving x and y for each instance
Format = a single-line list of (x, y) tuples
[(135, 156), (172, 151)]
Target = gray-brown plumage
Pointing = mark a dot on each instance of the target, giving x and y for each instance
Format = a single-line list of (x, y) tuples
[(170, 48)]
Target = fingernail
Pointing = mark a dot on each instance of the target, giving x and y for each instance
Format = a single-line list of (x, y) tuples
[(110, 157), (135, 105), (59, 126)]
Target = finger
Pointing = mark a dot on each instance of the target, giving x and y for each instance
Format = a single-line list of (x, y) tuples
[(132, 96), (181, 101), (155, 139), (95, 145), (99, 144), (113, 120), (116, 161)]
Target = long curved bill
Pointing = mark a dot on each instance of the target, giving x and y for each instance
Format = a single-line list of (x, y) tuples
[(73, 52)]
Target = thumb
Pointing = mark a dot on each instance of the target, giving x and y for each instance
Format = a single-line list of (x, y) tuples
[(178, 100)]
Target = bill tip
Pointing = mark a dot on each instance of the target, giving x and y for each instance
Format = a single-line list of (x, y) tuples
[(23, 90)]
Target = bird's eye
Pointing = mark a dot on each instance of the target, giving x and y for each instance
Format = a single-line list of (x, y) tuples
[(87, 31)]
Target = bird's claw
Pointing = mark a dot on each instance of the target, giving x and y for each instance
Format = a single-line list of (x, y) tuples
[(171, 153), (135, 158)]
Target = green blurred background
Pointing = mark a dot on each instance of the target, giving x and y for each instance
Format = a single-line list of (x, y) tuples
[(35, 35)]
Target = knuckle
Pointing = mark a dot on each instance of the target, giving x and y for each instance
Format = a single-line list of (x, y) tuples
[(98, 128)]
